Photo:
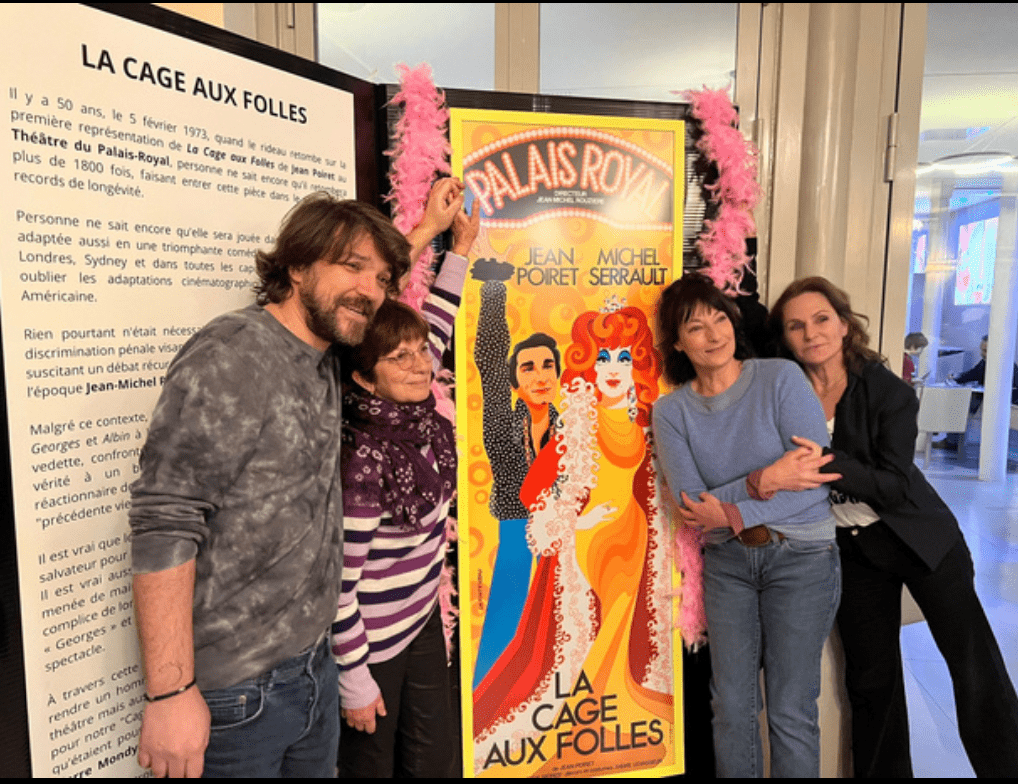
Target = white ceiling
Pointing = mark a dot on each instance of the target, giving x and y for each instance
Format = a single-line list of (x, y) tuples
[(971, 79)]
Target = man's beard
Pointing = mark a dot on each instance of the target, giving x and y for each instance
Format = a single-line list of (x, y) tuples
[(323, 321)]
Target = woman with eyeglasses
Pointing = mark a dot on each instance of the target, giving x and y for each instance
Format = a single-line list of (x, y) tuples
[(398, 465)]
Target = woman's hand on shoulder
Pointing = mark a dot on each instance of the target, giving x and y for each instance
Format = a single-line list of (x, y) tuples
[(797, 469)]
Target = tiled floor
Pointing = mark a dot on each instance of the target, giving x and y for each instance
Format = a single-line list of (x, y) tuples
[(988, 515)]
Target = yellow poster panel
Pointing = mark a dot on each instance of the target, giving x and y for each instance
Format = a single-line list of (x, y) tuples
[(566, 590)]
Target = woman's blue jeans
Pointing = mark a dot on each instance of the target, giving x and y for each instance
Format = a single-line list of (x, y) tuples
[(772, 607), (283, 723)]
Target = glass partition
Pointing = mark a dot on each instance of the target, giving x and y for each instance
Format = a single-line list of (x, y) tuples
[(962, 287)]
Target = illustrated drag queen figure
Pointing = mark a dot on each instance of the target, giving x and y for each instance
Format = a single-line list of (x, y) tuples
[(593, 623)]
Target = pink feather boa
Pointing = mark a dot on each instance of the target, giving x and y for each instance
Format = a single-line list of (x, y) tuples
[(419, 151), (687, 555), (723, 241)]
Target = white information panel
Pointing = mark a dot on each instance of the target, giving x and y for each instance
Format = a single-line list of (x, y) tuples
[(141, 172)]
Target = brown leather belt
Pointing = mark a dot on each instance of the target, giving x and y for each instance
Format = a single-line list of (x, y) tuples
[(758, 536)]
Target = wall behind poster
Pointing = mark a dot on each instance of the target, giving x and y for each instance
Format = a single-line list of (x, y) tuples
[(142, 172), (579, 235)]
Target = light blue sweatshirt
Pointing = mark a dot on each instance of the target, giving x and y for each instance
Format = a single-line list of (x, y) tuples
[(713, 444)]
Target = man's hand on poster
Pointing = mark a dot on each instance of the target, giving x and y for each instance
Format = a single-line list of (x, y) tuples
[(490, 269), (465, 229), (363, 719), (594, 517), (174, 734)]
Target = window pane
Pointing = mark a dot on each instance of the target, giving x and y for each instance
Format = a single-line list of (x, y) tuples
[(638, 51), (366, 40)]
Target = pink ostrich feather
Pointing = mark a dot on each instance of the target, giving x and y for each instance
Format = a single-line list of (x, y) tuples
[(692, 621), (687, 555), (723, 241), (419, 151)]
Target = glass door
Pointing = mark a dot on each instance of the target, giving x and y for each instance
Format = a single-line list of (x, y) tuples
[(962, 291)]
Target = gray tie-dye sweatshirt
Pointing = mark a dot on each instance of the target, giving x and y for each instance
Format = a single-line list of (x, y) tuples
[(241, 471)]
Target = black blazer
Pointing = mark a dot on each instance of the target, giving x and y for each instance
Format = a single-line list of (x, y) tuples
[(874, 438)]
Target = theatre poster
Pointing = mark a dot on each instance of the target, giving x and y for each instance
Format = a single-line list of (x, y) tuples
[(570, 666)]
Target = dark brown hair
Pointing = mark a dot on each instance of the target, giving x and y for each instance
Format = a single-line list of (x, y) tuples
[(393, 323), (677, 304), (915, 340), (855, 345), (323, 227)]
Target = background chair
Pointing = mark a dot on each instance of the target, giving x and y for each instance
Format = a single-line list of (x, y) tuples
[(943, 410)]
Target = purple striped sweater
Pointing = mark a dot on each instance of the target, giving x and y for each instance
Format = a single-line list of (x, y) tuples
[(391, 574)]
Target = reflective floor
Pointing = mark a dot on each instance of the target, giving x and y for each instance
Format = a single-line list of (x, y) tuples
[(988, 515)]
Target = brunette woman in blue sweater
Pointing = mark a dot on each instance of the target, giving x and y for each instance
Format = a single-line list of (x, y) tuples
[(772, 577)]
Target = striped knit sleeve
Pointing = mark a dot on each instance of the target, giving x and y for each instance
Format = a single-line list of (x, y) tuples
[(357, 688), (439, 309)]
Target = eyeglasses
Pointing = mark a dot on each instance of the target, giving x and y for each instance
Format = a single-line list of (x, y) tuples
[(405, 359)]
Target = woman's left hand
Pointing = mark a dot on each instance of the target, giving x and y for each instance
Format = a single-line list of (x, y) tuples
[(707, 513)]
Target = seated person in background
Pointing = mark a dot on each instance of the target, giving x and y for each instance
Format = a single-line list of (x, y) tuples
[(977, 375), (915, 342)]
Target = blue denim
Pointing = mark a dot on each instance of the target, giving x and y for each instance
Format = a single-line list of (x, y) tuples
[(770, 606), (283, 723)]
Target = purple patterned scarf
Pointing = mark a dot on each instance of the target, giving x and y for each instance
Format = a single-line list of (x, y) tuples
[(382, 457)]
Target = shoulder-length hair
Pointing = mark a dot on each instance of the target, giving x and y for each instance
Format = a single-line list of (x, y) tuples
[(677, 305), (323, 227), (593, 331), (854, 346)]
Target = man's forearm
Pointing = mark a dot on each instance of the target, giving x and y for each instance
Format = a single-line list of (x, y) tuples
[(163, 603)]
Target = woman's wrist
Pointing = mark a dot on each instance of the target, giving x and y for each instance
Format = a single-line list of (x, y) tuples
[(760, 484)]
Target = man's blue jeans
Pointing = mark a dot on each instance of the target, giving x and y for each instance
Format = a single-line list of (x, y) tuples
[(770, 606), (283, 723)]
